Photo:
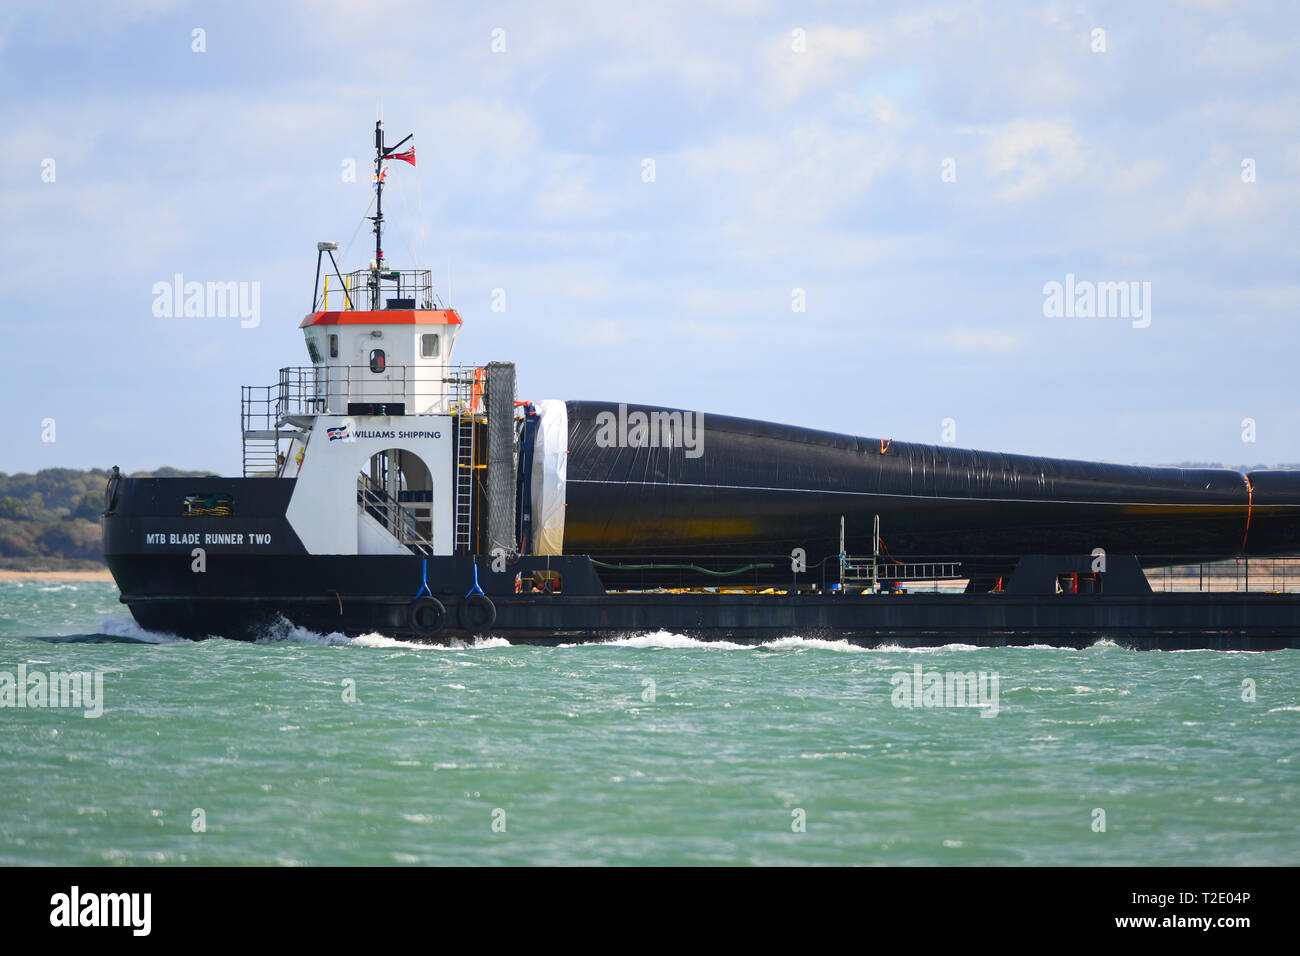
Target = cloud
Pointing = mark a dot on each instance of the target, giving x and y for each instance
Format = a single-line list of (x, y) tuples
[(988, 341), (802, 177), (808, 59), (776, 169), (1029, 157), (599, 334), (569, 196)]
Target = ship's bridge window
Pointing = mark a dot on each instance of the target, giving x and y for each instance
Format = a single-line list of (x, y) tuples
[(429, 345), (377, 360), (334, 346)]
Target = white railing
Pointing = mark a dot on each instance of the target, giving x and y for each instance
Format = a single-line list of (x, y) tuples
[(305, 391)]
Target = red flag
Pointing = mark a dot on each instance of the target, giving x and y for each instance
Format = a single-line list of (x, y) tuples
[(406, 156)]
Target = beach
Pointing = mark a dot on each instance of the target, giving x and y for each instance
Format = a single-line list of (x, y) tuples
[(60, 576)]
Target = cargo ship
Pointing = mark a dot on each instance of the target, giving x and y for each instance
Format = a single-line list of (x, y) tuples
[(387, 488)]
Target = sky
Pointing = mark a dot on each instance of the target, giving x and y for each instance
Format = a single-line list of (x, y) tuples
[(842, 216)]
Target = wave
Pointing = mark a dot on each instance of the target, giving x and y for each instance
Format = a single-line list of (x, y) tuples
[(284, 631), (119, 630), (116, 631), (670, 640), (661, 639), (814, 643)]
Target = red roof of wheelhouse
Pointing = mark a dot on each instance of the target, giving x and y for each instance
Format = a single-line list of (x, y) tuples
[(383, 317)]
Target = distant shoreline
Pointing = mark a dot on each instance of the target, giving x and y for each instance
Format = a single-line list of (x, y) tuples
[(104, 575)]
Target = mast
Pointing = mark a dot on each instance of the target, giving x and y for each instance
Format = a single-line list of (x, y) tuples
[(381, 153), (378, 217)]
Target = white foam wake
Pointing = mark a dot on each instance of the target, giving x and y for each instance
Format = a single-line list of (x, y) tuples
[(286, 632), (661, 639), (128, 629), (673, 641), (816, 643)]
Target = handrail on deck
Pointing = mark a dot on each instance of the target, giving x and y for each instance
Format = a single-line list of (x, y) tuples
[(396, 518), (936, 573), (309, 390)]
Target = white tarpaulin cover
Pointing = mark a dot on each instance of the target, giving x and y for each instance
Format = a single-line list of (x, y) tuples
[(550, 468)]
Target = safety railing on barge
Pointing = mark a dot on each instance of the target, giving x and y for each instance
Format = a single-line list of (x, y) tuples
[(730, 572), (1267, 575), (939, 574)]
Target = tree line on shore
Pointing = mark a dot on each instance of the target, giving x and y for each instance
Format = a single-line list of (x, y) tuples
[(49, 521)]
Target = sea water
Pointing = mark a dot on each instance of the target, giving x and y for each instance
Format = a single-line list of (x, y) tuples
[(313, 748)]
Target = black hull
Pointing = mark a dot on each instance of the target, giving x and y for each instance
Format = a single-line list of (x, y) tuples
[(246, 590), (1164, 622), (251, 598)]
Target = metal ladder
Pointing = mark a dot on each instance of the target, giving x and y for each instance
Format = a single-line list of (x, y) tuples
[(464, 530), (260, 454)]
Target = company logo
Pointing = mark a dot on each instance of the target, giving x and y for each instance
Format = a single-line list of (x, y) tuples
[(337, 434), (397, 433)]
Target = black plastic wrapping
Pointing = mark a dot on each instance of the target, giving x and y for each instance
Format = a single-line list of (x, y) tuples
[(758, 488)]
